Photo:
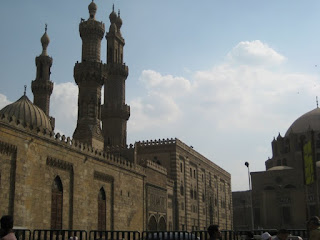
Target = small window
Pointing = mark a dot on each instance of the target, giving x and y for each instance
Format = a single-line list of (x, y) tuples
[(278, 162)]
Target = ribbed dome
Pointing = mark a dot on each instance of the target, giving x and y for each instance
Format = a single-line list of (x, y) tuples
[(27, 113), (309, 120)]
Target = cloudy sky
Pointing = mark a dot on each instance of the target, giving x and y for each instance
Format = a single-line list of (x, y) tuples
[(223, 76)]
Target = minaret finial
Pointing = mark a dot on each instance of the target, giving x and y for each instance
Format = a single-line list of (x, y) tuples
[(112, 7), (317, 100), (25, 90), (118, 12), (46, 27)]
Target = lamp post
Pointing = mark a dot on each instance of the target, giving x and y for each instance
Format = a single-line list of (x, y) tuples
[(250, 189)]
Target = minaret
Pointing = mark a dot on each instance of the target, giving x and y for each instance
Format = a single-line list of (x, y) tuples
[(42, 86), (90, 75), (115, 113)]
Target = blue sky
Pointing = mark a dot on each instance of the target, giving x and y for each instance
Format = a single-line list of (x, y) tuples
[(223, 76)]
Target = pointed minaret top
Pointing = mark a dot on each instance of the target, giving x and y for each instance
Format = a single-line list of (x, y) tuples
[(119, 21), (113, 15), (92, 10), (317, 101), (45, 40)]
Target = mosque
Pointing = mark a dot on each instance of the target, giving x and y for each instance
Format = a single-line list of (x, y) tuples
[(287, 193), (94, 180)]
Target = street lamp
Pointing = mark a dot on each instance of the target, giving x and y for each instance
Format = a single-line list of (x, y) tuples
[(250, 189)]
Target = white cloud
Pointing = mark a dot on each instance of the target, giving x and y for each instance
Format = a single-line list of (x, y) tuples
[(244, 99), (64, 107), (254, 53), (153, 111), (167, 84), (3, 101)]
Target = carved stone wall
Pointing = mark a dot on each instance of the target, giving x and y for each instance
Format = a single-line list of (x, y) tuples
[(37, 160)]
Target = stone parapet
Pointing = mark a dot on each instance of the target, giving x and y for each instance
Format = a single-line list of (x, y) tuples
[(156, 167)]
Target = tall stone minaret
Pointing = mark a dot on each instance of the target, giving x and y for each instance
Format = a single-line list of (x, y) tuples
[(115, 113), (42, 86), (90, 75)]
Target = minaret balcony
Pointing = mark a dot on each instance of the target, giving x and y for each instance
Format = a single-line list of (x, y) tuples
[(91, 27), (115, 111), (41, 86), (89, 72), (117, 69)]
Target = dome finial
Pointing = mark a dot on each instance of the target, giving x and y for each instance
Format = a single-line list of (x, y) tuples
[(118, 12), (45, 28), (25, 90), (317, 100)]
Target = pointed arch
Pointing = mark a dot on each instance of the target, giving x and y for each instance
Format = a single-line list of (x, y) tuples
[(56, 203), (102, 211), (152, 223), (162, 224)]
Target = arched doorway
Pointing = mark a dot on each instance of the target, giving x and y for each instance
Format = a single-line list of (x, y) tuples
[(102, 210)]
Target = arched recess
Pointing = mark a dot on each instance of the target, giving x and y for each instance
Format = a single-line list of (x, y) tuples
[(102, 211), (56, 203), (162, 226), (211, 211), (152, 223)]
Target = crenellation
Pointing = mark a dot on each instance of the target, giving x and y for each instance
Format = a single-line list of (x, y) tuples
[(157, 142)]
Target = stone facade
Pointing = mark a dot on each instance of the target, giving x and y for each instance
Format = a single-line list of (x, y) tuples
[(95, 181)]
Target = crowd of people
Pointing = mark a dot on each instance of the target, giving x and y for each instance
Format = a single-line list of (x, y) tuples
[(313, 227)]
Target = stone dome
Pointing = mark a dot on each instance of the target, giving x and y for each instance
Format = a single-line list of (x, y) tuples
[(27, 113), (309, 120), (92, 9), (113, 17)]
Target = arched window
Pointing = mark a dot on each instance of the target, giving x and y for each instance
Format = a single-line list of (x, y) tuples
[(56, 204), (181, 188), (102, 210)]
